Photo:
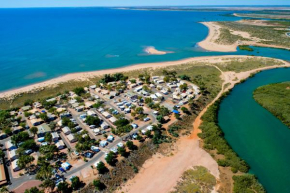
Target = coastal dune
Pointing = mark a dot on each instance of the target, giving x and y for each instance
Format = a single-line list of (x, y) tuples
[(210, 42), (84, 76)]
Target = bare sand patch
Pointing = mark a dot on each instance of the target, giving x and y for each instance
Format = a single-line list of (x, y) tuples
[(153, 51), (210, 42)]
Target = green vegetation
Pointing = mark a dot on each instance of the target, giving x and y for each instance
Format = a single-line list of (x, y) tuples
[(271, 34), (265, 16), (198, 73), (213, 139), (275, 98), (227, 38), (250, 63), (246, 47), (198, 179), (247, 183)]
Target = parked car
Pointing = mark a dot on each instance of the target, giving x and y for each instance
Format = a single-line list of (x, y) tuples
[(146, 119), (28, 152), (88, 155)]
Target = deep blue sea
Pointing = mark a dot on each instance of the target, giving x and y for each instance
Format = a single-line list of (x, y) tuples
[(43, 43)]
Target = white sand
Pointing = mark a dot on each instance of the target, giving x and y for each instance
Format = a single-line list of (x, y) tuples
[(210, 44), (153, 51), (82, 76)]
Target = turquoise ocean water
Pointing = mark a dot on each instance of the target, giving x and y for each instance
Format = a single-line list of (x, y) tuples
[(40, 44)]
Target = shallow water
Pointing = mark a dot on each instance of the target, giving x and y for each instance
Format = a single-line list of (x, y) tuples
[(255, 134)]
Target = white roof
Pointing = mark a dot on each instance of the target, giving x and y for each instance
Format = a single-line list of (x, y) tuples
[(59, 143), (14, 164), (70, 137), (113, 119), (90, 112), (110, 137), (9, 144), (12, 153), (106, 114), (54, 135), (66, 129)]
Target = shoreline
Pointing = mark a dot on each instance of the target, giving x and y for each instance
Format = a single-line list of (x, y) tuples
[(151, 50), (83, 76), (209, 42), (190, 153)]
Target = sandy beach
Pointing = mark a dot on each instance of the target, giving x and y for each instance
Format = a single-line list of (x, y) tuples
[(210, 44), (153, 51), (82, 76)]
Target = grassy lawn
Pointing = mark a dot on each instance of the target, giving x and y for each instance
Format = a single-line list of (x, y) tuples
[(275, 98)]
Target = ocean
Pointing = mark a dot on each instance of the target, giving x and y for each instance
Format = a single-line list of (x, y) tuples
[(38, 44)]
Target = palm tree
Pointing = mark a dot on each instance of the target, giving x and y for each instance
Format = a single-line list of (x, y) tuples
[(33, 130), (2, 155), (48, 183), (4, 189)]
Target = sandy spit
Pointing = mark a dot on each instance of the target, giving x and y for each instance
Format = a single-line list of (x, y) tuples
[(210, 44), (87, 75)]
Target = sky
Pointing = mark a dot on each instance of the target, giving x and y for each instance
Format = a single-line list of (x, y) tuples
[(87, 3)]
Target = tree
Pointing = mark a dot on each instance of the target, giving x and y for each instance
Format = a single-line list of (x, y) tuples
[(184, 77), (4, 189), (79, 90), (63, 187), (160, 119), (122, 122), (90, 120), (28, 102), (166, 79), (25, 161), (99, 185), (130, 145), (7, 131), (139, 110), (48, 138), (122, 151), (33, 130), (48, 151), (76, 183), (29, 144), (183, 87), (45, 171), (148, 133), (2, 155), (20, 137), (33, 190), (110, 158), (164, 111), (185, 110), (43, 116), (48, 183), (102, 168)]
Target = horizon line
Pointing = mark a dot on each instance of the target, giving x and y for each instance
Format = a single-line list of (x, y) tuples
[(148, 6)]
